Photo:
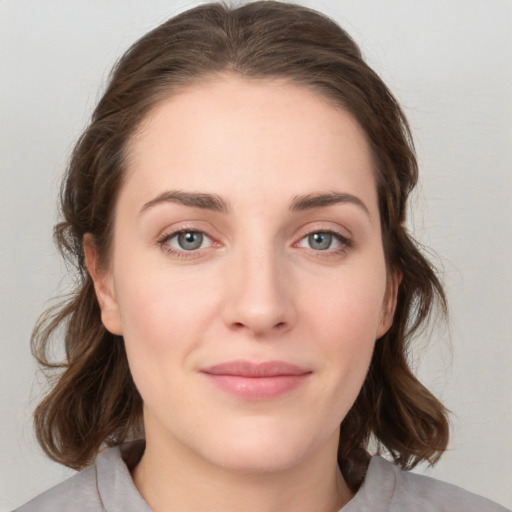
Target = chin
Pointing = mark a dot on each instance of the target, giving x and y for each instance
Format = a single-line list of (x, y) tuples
[(258, 459), (261, 448)]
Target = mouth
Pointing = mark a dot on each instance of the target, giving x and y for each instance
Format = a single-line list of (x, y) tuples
[(257, 381)]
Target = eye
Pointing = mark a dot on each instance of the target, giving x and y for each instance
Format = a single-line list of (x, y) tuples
[(320, 241), (189, 240), (185, 241), (324, 241)]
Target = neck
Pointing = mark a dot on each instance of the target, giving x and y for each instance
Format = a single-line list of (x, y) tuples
[(169, 475)]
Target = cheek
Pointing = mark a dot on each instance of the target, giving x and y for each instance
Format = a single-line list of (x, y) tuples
[(345, 318), (163, 317), (164, 309), (349, 306)]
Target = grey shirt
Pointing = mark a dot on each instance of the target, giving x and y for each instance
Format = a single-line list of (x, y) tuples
[(107, 486)]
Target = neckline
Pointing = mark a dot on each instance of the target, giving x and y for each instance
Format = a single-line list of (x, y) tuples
[(119, 493)]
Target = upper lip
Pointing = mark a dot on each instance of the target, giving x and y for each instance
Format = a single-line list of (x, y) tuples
[(241, 368)]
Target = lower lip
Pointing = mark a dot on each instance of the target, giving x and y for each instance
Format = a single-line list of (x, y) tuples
[(258, 388)]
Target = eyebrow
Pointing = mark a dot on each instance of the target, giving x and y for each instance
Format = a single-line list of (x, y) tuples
[(216, 203), (194, 199), (310, 201)]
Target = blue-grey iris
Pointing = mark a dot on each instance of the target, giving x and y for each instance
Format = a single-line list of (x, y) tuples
[(320, 241), (190, 240)]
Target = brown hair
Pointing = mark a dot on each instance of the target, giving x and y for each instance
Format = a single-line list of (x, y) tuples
[(94, 401)]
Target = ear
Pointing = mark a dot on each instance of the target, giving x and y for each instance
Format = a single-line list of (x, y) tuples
[(103, 286), (389, 303)]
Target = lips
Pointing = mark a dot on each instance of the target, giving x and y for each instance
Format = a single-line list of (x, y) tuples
[(257, 381)]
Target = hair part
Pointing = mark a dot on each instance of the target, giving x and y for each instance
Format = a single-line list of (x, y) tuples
[(94, 402)]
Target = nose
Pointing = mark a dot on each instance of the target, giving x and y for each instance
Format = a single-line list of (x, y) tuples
[(259, 294)]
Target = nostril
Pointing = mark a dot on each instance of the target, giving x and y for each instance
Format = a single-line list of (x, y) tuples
[(241, 325)]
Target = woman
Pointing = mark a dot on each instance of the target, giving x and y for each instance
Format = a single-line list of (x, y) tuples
[(236, 211)]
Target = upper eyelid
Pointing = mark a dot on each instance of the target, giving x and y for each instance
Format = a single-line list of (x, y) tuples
[(339, 231), (342, 232), (178, 228), (168, 235), (342, 238)]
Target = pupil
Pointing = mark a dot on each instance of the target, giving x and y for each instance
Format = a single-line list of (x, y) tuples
[(190, 240), (321, 241)]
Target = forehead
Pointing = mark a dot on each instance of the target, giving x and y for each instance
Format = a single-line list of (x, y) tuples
[(243, 135)]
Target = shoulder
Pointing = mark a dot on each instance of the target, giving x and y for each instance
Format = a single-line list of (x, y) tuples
[(106, 486), (403, 490), (76, 493)]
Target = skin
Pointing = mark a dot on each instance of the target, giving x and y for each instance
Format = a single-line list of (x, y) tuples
[(259, 288)]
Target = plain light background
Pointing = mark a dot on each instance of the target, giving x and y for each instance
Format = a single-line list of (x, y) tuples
[(450, 65)]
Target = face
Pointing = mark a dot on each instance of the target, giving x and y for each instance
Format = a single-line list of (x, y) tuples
[(247, 273)]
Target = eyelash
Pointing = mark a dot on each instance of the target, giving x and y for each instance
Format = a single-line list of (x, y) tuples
[(344, 243), (164, 240)]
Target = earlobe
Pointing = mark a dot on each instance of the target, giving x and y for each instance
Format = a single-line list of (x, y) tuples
[(389, 303), (103, 286)]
